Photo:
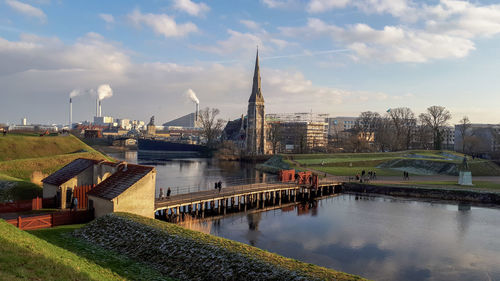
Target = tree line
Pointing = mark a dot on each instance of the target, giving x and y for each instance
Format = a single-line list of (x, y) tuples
[(400, 129)]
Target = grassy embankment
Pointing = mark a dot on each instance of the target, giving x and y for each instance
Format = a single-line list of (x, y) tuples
[(191, 255), (26, 159), (56, 255), (417, 163), (391, 163)]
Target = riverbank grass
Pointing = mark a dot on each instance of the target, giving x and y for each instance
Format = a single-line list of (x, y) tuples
[(27, 257)]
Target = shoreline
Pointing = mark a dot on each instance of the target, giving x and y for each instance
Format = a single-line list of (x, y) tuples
[(444, 194)]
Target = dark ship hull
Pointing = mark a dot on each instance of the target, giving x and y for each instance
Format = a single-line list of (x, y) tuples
[(158, 149)]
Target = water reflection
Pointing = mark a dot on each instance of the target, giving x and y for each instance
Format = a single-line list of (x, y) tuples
[(381, 238)]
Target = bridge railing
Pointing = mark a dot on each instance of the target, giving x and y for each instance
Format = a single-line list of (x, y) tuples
[(176, 190), (227, 191)]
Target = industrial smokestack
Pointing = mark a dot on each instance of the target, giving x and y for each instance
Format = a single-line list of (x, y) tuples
[(97, 107), (197, 109), (70, 113), (100, 109)]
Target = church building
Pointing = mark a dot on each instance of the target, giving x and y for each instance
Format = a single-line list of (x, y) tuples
[(256, 122)]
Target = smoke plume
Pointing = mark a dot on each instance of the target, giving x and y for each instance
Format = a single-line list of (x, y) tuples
[(192, 96), (75, 92), (104, 91)]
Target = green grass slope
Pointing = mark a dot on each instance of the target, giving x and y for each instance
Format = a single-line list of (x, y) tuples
[(21, 146), (191, 255), (26, 257), (26, 159)]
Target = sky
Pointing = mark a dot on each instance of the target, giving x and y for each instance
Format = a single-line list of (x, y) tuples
[(339, 57)]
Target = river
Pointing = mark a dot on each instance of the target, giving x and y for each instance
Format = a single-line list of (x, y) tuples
[(377, 237)]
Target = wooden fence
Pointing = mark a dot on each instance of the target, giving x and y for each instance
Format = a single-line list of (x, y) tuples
[(80, 192), (51, 220), (21, 205), (27, 205)]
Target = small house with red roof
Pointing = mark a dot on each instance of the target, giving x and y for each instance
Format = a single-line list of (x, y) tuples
[(130, 189), (117, 186)]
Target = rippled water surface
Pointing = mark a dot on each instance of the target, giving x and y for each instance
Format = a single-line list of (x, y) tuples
[(380, 238)]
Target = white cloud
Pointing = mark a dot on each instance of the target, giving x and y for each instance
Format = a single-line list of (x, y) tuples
[(281, 4), (244, 44), (44, 70), (33, 53), (108, 18), (237, 42), (250, 24), (190, 7), (27, 9), (390, 44), (463, 19), (319, 6), (162, 24)]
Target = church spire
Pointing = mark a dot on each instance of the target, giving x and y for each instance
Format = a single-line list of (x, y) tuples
[(256, 95)]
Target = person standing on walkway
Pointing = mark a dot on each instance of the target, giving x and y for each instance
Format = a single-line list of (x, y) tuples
[(219, 185), (168, 192)]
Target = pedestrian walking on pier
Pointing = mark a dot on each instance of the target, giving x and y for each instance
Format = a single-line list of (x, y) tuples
[(219, 185), (168, 192)]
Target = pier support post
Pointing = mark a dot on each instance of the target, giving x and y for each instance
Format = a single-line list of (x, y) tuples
[(218, 206)]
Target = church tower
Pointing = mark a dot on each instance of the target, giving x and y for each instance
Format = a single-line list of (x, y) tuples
[(256, 123)]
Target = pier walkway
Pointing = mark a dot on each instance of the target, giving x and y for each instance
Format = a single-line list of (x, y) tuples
[(239, 196)]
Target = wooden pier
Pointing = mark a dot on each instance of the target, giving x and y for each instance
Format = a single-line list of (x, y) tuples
[(238, 198)]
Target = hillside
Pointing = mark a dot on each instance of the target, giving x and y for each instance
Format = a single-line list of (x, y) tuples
[(14, 147), (190, 255), (25, 160), (27, 257)]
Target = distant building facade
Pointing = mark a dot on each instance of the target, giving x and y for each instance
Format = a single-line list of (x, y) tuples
[(297, 132), (256, 122)]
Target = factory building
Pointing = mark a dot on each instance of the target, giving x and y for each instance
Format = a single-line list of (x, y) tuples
[(103, 120), (186, 121)]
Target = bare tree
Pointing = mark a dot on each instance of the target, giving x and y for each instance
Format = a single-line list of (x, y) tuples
[(211, 128), (384, 134), (404, 123), (423, 135), (274, 135), (436, 118), (464, 125), (366, 124)]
